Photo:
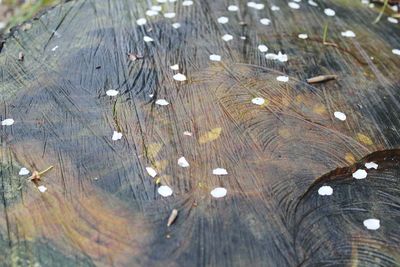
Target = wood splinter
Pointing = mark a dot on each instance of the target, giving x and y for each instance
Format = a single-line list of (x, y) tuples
[(172, 217), (321, 78)]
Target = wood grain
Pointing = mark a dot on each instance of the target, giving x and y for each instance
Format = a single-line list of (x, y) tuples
[(101, 208)]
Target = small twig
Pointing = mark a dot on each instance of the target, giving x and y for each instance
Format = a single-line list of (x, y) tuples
[(321, 78), (36, 176), (381, 12), (115, 116), (46, 170), (172, 217), (331, 44)]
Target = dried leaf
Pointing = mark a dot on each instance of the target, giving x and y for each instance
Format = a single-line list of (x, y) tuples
[(134, 57), (364, 139), (321, 78), (153, 149), (210, 136)]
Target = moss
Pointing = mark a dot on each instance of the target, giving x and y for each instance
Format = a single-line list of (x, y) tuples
[(27, 10), (28, 253)]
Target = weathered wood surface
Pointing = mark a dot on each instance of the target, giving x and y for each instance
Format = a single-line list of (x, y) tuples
[(102, 208)]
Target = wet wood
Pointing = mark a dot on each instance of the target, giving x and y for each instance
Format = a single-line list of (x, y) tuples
[(258, 147)]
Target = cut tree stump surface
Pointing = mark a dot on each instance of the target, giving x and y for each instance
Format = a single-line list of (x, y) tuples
[(263, 168)]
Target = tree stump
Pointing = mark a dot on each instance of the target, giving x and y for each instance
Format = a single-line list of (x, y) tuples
[(141, 108)]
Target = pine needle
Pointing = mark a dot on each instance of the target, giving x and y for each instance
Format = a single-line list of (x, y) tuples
[(381, 12)]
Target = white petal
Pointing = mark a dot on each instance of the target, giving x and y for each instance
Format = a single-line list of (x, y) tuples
[(254, 5), (176, 25), (42, 188), (325, 190), (329, 12), (7, 122), (392, 20), (371, 165), (187, 133), (312, 3), (372, 224), (271, 56), (165, 191), (227, 37), (396, 51), (275, 8), (282, 79), (263, 48), (233, 8), (183, 162), (179, 77), (152, 172), (259, 6), (218, 192), (54, 48), (220, 171), (169, 15), (116, 136), (282, 57), (23, 171), (339, 115), (147, 39), (156, 8), (215, 57), (112, 92), (141, 21), (162, 102), (223, 20), (258, 101), (175, 67), (187, 3), (294, 5), (349, 34), (151, 13), (303, 36), (360, 174), (265, 21)]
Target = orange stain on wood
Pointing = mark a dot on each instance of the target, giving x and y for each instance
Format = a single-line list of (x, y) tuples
[(100, 227)]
